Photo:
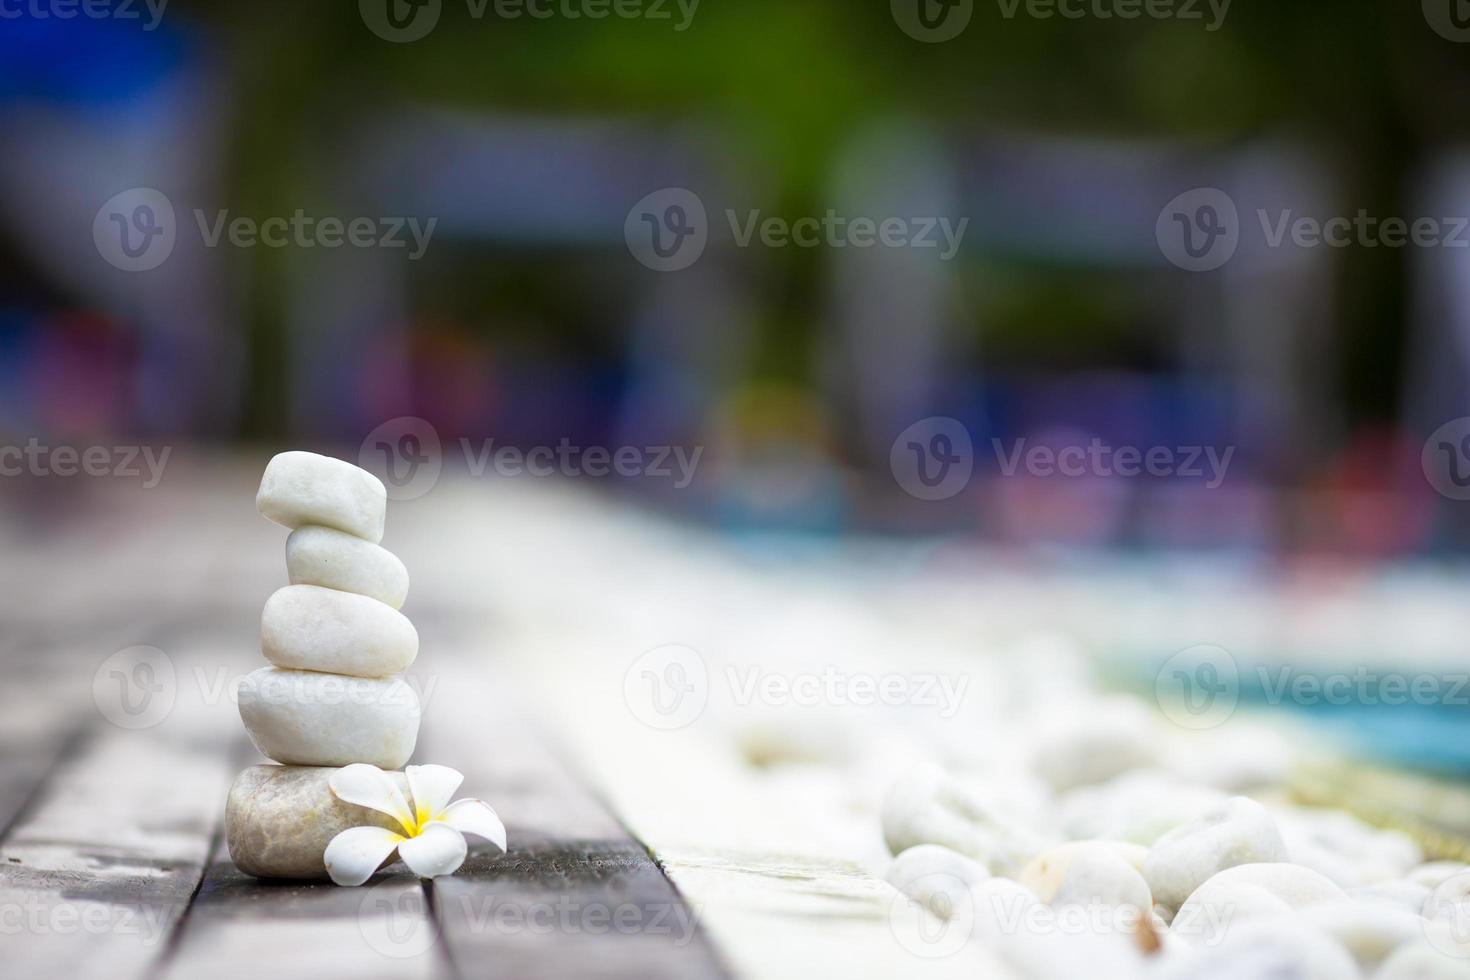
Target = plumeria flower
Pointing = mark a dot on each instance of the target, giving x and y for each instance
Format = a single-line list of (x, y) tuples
[(432, 842)]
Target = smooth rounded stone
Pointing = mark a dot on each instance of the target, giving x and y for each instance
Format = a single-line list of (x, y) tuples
[(1407, 895), (303, 718), (1065, 948), (1370, 931), (337, 560), (936, 877), (1082, 748), (1247, 892), (1001, 907), (1349, 851), (1419, 960), (1435, 873), (1139, 806), (1237, 758), (279, 820), (1205, 921), (1092, 873), (1277, 948), (1239, 831), (306, 488), (927, 806), (307, 627)]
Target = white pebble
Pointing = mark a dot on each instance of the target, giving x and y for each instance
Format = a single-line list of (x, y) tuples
[(307, 627), (935, 877), (1139, 806), (1407, 895), (1093, 873), (1421, 961), (306, 488), (1435, 873), (336, 560), (1250, 891), (302, 718), (1349, 851), (1263, 949), (928, 806), (1239, 831), (1081, 748), (1370, 931)]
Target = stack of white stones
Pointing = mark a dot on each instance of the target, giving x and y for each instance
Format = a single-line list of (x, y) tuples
[(337, 644)]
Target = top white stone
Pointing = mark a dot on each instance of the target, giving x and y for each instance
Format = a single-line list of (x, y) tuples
[(306, 488)]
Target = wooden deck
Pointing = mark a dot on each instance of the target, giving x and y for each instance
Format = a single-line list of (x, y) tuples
[(633, 852)]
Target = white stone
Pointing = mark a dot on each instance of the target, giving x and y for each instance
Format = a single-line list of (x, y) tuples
[(305, 488), (935, 877), (1001, 908), (1435, 873), (1139, 806), (1239, 831), (1344, 848), (1081, 748), (1370, 931), (337, 560), (302, 718), (928, 806), (1248, 892), (1205, 921), (307, 627), (1092, 873), (1407, 895), (1266, 948), (1423, 960)]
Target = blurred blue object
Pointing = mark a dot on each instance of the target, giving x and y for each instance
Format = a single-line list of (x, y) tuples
[(86, 61)]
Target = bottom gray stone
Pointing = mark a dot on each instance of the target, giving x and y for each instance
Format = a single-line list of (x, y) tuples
[(279, 820)]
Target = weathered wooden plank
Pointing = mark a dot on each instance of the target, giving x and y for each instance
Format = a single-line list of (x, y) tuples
[(575, 895), (102, 864), (241, 927)]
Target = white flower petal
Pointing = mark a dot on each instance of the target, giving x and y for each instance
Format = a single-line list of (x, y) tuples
[(367, 785), (475, 817), (432, 787), (355, 854), (438, 850)]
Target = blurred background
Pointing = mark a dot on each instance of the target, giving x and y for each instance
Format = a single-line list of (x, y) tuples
[(1058, 319), (170, 275)]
